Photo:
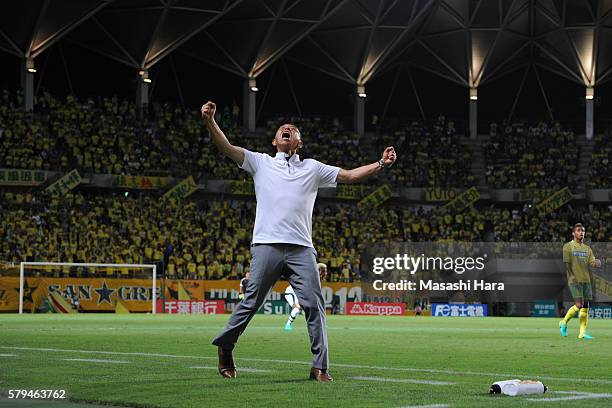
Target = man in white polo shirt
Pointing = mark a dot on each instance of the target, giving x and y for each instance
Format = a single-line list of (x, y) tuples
[(285, 188)]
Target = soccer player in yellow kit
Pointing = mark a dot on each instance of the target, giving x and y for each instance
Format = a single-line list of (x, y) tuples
[(577, 256)]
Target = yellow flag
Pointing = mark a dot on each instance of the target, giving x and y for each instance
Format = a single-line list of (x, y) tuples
[(120, 308), (182, 189), (59, 304), (65, 184), (182, 292)]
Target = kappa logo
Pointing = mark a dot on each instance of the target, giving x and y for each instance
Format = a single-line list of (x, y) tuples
[(357, 309), (380, 309)]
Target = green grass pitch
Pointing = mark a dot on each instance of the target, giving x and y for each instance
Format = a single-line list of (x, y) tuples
[(167, 361)]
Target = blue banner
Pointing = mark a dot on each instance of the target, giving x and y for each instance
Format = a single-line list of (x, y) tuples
[(459, 310)]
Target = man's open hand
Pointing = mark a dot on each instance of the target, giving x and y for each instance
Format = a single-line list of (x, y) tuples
[(389, 156), (208, 111)]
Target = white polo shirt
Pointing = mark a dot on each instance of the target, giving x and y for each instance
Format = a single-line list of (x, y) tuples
[(286, 191)]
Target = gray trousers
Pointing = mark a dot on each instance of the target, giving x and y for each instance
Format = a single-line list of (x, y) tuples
[(298, 263)]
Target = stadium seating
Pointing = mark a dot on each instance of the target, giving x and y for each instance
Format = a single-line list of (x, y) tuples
[(208, 238), (520, 155), (601, 163), (431, 153), (107, 136), (527, 225)]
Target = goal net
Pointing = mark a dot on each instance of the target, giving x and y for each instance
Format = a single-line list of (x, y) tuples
[(62, 287)]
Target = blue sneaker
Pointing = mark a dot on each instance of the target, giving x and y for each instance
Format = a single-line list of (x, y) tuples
[(586, 336), (563, 328), (288, 327)]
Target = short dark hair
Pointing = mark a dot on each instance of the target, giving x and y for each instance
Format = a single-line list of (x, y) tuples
[(577, 225)]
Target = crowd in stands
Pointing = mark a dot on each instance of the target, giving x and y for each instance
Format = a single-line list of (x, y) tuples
[(527, 225), (431, 154), (601, 162), (107, 135), (542, 156), (210, 238)]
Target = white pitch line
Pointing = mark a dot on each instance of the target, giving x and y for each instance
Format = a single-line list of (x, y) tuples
[(571, 392), (112, 353), (241, 369), (577, 395), (93, 360), (8, 355), (427, 406), (438, 371), (403, 380), (359, 366)]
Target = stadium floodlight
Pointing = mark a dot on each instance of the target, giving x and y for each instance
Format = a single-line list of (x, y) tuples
[(361, 91), (473, 94), (144, 74), (23, 265), (590, 92), (253, 85), (30, 66)]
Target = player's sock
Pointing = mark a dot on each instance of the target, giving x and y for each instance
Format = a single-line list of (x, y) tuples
[(570, 313), (294, 313), (584, 313)]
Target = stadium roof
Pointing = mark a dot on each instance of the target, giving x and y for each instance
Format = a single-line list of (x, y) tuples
[(468, 42)]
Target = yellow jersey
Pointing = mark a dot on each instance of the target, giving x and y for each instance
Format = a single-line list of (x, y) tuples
[(579, 257)]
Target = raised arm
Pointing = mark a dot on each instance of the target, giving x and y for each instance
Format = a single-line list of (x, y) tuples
[(361, 173), (227, 149)]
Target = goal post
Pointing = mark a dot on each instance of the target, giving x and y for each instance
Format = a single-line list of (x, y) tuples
[(23, 265)]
